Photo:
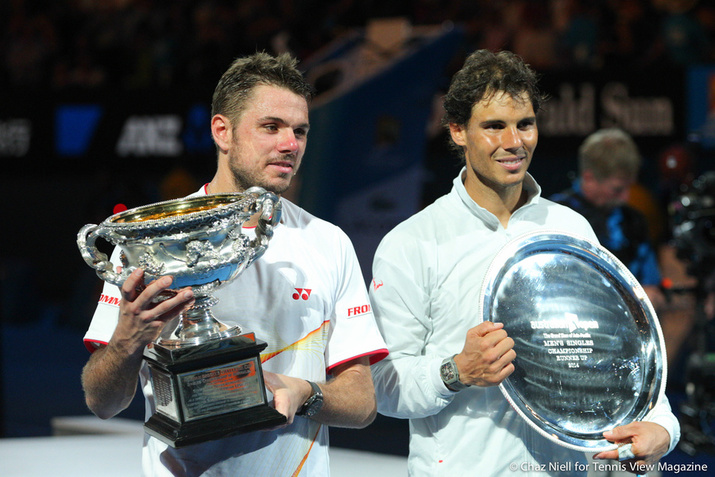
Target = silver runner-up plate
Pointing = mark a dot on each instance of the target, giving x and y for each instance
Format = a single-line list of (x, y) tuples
[(590, 354)]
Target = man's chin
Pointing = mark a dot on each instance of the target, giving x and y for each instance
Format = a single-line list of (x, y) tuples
[(277, 188)]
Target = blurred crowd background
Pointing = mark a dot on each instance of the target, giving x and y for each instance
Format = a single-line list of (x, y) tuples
[(148, 43)]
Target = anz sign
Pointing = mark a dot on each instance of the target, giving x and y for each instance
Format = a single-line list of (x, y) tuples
[(166, 135), (78, 127), (144, 136)]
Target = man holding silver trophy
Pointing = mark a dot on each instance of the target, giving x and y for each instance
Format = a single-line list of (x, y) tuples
[(305, 297), (517, 344)]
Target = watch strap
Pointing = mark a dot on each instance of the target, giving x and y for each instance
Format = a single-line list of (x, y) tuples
[(313, 404)]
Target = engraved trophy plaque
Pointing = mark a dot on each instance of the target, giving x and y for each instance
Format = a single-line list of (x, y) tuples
[(206, 376), (589, 349)]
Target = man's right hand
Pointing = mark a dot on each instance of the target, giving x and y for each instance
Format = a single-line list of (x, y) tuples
[(141, 315), (110, 376), (486, 359)]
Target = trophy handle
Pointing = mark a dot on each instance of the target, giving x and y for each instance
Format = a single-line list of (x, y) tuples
[(270, 208), (86, 238)]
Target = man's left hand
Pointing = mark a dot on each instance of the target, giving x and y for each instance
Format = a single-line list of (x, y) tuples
[(649, 442), (288, 393)]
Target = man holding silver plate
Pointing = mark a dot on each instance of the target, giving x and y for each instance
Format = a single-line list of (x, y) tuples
[(517, 344), (304, 297)]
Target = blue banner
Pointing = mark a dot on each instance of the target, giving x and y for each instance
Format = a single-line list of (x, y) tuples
[(363, 169)]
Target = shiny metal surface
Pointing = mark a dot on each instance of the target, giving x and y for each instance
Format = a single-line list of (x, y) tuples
[(590, 351), (217, 390), (200, 241)]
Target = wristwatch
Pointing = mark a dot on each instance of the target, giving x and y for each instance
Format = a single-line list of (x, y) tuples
[(313, 404), (450, 375)]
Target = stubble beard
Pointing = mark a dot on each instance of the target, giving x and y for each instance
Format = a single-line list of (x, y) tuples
[(244, 179)]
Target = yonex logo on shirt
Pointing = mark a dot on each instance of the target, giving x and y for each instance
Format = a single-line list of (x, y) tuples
[(303, 293)]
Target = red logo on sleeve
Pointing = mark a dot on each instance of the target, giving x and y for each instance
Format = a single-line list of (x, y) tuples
[(376, 284), (359, 310), (109, 300)]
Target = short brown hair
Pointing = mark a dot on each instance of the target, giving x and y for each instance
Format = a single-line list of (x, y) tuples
[(609, 152), (235, 86), (483, 75)]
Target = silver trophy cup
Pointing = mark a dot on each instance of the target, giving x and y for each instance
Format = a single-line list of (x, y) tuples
[(206, 376)]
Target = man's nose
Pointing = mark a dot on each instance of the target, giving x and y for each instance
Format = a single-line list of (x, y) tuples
[(512, 138), (288, 143)]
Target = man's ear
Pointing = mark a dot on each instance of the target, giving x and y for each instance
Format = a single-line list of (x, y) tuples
[(458, 134), (221, 131)]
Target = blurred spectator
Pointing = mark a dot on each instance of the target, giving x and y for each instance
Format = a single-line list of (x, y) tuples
[(609, 163), (684, 38), (629, 36), (535, 39), (578, 33), (29, 47), (494, 31)]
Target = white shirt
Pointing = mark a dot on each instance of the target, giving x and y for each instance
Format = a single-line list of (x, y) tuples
[(428, 274), (306, 298)]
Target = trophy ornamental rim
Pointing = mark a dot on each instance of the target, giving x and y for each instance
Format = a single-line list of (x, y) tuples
[(505, 275), (183, 212), (196, 237)]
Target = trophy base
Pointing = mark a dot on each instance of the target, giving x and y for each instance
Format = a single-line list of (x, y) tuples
[(212, 428), (209, 391)]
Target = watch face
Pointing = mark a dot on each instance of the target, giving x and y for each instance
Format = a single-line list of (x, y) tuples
[(448, 372), (314, 406)]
